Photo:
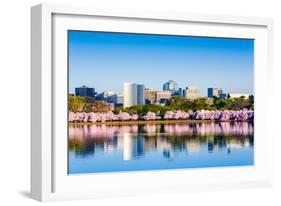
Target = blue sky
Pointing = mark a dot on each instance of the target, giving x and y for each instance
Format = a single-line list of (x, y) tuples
[(105, 60)]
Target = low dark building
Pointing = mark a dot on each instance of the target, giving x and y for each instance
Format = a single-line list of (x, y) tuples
[(85, 92)]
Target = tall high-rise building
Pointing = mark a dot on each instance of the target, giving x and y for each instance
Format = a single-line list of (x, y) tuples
[(192, 92), (85, 91), (130, 94), (140, 94), (214, 92), (184, 93), (171, 86), (133, 94)]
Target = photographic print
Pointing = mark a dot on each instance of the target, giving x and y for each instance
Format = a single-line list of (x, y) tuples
[(152, 102)]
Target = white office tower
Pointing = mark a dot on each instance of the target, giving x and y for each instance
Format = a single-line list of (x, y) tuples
[(130, 94), (133, 94), (140, 94)]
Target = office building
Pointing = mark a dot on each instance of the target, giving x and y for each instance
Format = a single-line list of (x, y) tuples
[(162, 97), (184, 93), (140, 94), (214, 92), (112, 99), (99, 97), (130, 94), (106, 94), (181, 92), (192, 93), (150, 96), (85, 92), (120, 99), (133, 94), (171, 86), (223, 95)]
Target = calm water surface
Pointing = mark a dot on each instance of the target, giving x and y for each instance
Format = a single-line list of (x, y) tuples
[(111, 148)]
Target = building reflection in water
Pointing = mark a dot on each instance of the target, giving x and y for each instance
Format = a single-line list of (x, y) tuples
[(133, 147), (135, 141)]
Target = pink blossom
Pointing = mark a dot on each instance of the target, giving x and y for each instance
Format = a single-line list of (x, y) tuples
[(226, 115), (150, 116)]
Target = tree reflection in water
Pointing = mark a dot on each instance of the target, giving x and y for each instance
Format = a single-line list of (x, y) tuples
[(135, 141)]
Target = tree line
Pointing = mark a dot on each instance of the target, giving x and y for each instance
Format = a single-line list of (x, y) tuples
[(84, 104)]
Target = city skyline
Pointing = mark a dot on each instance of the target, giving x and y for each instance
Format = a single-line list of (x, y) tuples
[(152, 89), (109, 59)]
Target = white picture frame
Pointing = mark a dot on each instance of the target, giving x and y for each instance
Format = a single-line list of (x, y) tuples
[(49, 179)]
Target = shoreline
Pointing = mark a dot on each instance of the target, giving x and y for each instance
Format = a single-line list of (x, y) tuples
[(143, 122)]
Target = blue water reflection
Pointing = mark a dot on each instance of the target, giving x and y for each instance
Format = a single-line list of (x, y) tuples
[(111, 148)]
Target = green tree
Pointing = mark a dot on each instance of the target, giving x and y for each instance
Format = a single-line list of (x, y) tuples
[(219, 103), (237, 104), (251, 101), (136, 109), (99, 106), (76, 103), (176, 101), (117, 110), (180, 103), (228, 96), (88, 107)]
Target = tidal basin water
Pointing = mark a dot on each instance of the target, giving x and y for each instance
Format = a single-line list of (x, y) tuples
[(114, 148)]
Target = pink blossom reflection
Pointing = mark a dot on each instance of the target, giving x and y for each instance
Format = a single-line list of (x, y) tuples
[(108, 131)]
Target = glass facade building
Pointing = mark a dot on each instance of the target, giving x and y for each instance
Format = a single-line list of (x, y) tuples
[(140, 94), (171, 86), (85, 91), (214, 92)]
